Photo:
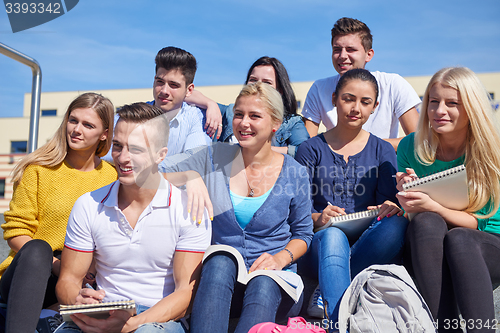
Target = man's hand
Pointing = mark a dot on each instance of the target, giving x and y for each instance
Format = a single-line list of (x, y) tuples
[(90, 296), (116, 323), (198, 197)]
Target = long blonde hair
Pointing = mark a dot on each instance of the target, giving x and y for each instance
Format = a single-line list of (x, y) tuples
[(482, 145), (54, 152)]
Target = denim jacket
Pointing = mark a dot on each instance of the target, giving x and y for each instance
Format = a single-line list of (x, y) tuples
[(291, 133)]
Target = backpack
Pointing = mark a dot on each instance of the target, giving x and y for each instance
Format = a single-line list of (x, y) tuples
[(381, 299)]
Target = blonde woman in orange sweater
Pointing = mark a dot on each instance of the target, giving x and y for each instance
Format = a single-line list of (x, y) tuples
[(47, 183)]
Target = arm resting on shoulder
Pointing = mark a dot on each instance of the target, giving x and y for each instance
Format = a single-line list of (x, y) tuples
[(214, 117), (198, 198)]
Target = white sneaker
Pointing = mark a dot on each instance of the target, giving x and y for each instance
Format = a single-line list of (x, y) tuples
[(315, 308)]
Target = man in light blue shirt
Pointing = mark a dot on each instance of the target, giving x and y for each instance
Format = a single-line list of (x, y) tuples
[(175, 70), (173, 81)]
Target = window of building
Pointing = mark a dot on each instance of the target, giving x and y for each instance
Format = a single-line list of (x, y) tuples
[(49, 113), (2, 188), (17, 147)]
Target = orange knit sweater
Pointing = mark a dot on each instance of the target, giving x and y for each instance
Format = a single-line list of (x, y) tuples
[(43, 199)]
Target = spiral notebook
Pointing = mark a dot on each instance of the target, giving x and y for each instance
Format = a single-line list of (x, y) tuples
[(352, 224), (99, 310), (449, 188)]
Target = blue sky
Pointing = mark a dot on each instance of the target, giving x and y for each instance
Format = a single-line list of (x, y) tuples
[(111, 44)]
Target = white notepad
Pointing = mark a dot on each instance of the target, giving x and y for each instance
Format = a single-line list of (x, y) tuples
[(99, 310), (449, 187), (352, 224)]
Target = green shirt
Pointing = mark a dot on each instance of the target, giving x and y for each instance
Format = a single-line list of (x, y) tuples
[(407, 159)]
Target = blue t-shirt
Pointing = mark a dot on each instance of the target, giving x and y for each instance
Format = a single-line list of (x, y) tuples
[(246, 207), (365, 180)]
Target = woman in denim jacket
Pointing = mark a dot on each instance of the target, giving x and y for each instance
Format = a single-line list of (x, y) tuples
[(292, 131)]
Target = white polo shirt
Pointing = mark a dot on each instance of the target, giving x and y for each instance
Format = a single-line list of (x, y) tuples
[(396, 96), (135, 263)]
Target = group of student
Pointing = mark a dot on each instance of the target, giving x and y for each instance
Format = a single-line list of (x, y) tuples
[(75, 220)]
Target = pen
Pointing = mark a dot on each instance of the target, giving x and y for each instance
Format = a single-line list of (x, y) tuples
[(329, 203), (87, 285)]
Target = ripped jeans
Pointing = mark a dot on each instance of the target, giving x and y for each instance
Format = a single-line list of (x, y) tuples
[(167, 327)]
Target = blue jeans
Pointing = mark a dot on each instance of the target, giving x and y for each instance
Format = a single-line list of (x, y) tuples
[(220, 297), (381, 243), (167, 327)]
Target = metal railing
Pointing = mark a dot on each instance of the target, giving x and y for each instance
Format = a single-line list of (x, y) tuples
[(36, 88)]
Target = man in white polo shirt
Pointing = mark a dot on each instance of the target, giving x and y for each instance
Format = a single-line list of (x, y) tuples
[(137, 229)]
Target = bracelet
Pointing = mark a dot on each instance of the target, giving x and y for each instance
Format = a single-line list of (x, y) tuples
[(290, 253)]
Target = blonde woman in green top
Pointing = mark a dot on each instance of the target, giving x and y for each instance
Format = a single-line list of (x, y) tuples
[(454, 254)]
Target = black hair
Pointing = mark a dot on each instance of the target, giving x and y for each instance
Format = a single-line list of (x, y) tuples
[(282, 83), (171, 57), (357, 74)]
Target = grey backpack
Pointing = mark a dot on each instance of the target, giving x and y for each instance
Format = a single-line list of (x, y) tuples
[(383, 299)]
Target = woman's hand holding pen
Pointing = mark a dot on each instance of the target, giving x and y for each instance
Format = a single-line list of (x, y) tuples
[(413, 201), (327, 213), (405, 177)]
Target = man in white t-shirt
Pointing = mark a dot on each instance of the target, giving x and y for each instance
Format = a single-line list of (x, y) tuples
[(139, 233), (352, 48)]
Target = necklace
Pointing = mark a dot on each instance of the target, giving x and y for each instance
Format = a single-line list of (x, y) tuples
[(252, 193)]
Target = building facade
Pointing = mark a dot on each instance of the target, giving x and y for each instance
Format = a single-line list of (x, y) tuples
[(53, 105)]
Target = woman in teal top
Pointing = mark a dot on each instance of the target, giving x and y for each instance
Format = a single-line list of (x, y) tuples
[(454, 254)]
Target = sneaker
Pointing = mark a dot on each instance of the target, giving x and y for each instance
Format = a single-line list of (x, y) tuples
[(315, 308), (49, 324)]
